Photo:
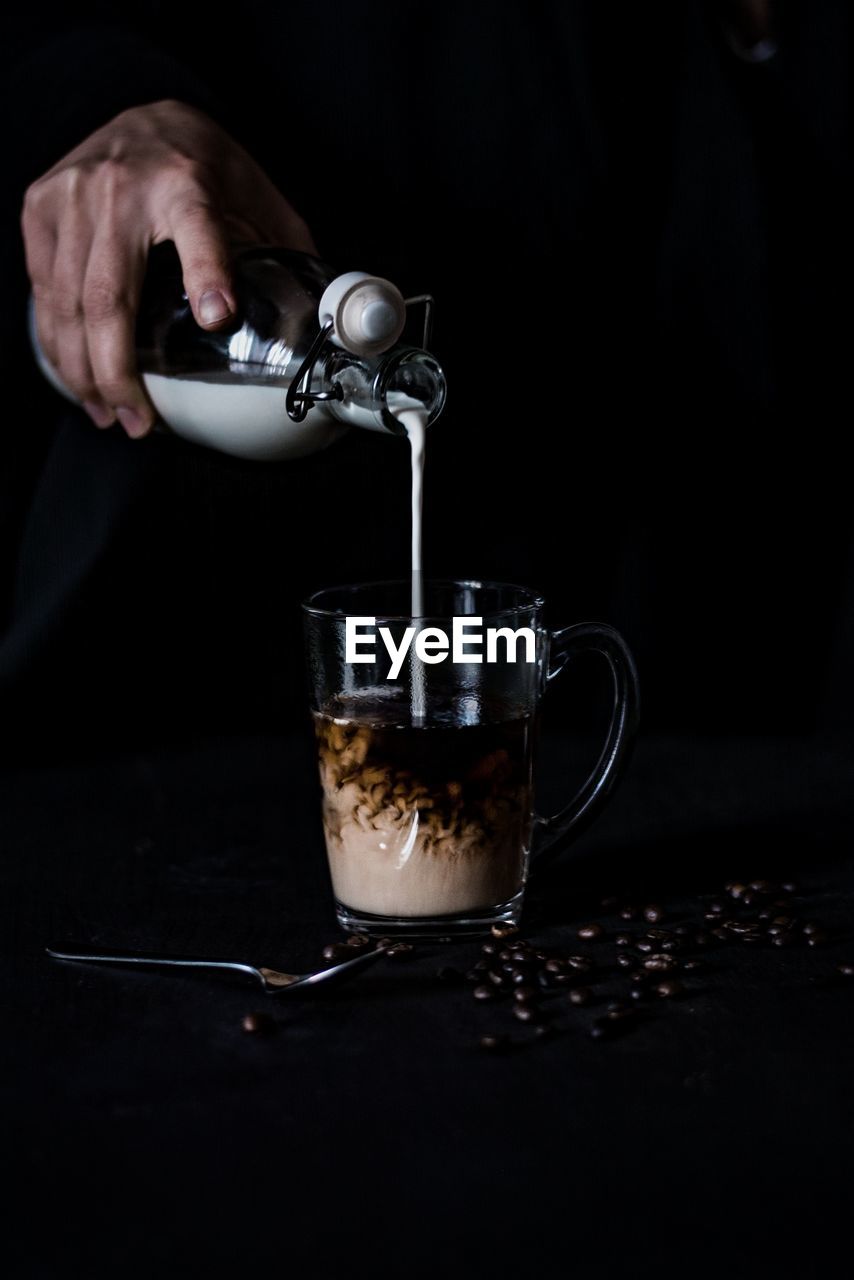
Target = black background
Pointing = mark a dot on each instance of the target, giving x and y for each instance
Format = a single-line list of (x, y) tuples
[(639, 251)]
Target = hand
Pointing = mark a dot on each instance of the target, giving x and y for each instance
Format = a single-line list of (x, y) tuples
[(164, 171)]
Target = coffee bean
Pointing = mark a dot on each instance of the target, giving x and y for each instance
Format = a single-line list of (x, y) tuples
[(644, 945), (692, 964), (715, 909), (490, 948), (721, 934), (400, 951), (483, 992), (845, 969), (629, 913), (608, 904), (494, 1043), (526, 1012), (554, 965), (580, 995), (812, 926), (623, 939), (817, 939), (667, 990), (661, 963), (616, 1008), (564, 979), (683, 930), (542, 1031), (748, 898), (544, 979), (763, 886), (638, 993), (358, 940), (789, 887), (653, 913), (499, 980), (582, 964), (504, 930), (626, 961), (475, 974), (449, 975), (257, 1023), (736, 888), (524, 995), (591, 932), (335, 952), (519, 976), (788, 939)]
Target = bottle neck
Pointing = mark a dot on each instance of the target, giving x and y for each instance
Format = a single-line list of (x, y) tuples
[(374, 390)]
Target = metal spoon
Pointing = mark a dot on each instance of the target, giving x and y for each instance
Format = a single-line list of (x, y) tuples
[(273, 982)]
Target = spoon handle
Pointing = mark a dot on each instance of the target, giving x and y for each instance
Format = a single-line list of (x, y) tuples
[(105, 955)]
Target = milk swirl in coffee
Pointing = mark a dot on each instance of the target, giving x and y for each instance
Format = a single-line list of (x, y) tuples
[(423, 816)]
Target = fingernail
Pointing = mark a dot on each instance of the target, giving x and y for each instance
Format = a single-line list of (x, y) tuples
[(213, 307), (100, 414), (132, 422)]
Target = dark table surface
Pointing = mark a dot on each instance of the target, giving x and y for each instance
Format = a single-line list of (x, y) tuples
[(149, 1134)]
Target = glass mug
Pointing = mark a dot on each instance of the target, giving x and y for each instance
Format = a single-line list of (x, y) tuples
[(427, 776)]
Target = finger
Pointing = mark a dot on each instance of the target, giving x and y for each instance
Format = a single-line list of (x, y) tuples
[(111, 292), (39, 250), (73, 244), (202, 243)]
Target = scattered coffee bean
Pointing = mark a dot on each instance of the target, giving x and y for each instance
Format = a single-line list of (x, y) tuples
[(580, 995), (623, 939), (638, 993), (789, 887), (721, 934), (526, 1012), (817, 939), (358, 940), (494, 1043), (748, 898), (845, 969), (644, 945), (736, 888), (582, 964), (616, 1008), (683, 930), (653, 913), (667, 990), (483, 992), (258, 1023), (626, 961), (692, 964), (591, 932), (811, 926), (490, 948), (629, 913), (499, 980), (661, 963), (504, 930), (400, 951), (524, 995), (554, 965), (763, 886), (608, 904), (788, 939)]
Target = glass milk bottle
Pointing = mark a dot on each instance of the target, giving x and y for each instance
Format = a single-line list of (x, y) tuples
[(310, 353)]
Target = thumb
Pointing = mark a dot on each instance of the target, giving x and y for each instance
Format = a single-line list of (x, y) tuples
[(202, 245)]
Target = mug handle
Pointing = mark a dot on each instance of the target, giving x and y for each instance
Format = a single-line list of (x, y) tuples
[(552, 834)]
